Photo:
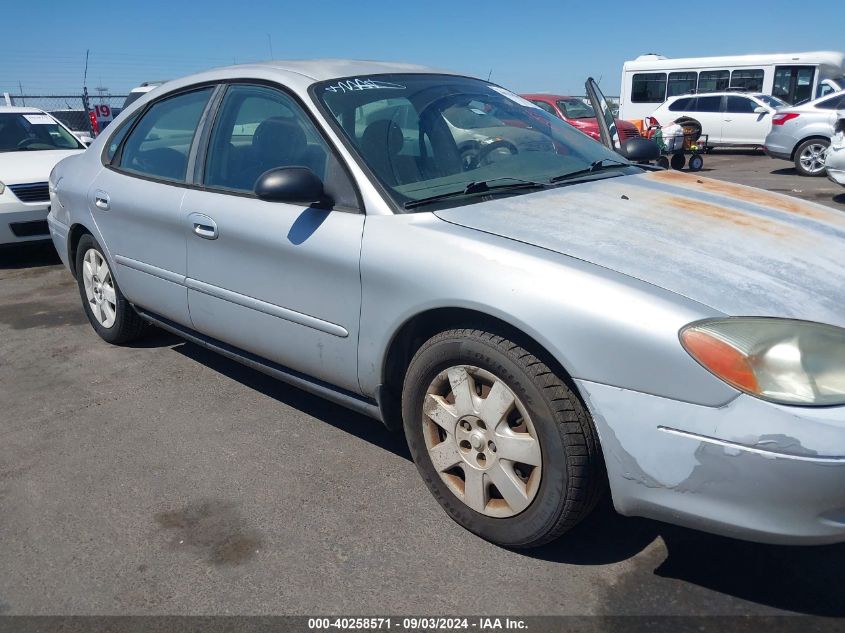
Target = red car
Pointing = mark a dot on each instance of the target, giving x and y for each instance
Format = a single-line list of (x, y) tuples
[(578, 114)]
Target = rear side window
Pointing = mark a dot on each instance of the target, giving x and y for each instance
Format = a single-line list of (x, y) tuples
[(834, 103), (648, 88), (159, 144), (681, 104), (708, 104), (740, 105), (713, 80), (750, 80)]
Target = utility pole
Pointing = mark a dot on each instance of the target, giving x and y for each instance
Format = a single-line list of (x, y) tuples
[(85, 103), (20, 87), (270, 44)]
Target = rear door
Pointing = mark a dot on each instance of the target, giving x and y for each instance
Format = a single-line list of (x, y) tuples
[(276, 279), (707, 110), (135, 202), (742, 125)]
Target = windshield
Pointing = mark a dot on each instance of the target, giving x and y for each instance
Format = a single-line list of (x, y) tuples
[(434, 135), (576, 108), (30, 131), (772, 101)]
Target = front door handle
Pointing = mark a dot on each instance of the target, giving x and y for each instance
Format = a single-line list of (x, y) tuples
[(101, 200), (203, 226)]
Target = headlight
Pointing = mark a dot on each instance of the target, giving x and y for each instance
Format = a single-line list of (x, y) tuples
[(782, 360)]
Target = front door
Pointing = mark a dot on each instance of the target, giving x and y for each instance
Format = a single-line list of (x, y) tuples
[(793, 84), (742, 125), (276, 279)]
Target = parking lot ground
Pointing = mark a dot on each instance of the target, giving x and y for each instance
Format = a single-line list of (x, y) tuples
[(163, 479)]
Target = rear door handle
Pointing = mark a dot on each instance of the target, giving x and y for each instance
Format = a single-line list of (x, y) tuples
[(101, 200), (203, 226)]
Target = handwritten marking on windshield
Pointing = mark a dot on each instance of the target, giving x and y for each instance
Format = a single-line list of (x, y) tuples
[(356, 85)]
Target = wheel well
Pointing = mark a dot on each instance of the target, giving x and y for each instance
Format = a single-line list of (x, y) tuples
[(804, 140), (73, 237), (417, 330)]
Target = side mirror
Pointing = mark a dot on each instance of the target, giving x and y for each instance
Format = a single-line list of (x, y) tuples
[(640, 150), (86, 140), (298, 185), (760, 110)]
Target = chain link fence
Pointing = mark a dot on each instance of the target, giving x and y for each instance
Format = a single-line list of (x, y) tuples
[(71, 109)]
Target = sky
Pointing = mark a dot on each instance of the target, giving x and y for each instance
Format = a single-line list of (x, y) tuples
[(533, 46)]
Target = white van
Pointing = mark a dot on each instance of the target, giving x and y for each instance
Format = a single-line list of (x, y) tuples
[(792, 77)]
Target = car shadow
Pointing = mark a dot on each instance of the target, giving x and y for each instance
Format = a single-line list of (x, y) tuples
[(800, 579), (28, 255), (785, 171), (839, 198), (360, 426)]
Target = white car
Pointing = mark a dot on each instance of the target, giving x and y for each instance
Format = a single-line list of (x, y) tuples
[(727, 118), (835, 160), (31, 143)]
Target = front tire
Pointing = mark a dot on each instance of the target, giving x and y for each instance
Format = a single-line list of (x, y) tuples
[(503, 444), (108, 311), (810, 156)]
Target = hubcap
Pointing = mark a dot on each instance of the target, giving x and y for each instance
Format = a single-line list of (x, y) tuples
[(99, 288), (482, 441), (813, 157)]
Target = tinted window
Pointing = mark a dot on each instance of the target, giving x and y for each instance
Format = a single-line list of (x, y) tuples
[(681, 83), (158, 146), (648, 88), (834, 103), (713, 81), (681, 104), (740, 105), (750, 80), (576, 109), (707, 104)]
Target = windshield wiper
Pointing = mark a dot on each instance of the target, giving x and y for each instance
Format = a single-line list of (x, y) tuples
[(480, 187), (599, 165)]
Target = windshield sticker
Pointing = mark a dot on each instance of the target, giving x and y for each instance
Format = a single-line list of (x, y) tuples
[(355, 85), (39, 119), (514, 97)]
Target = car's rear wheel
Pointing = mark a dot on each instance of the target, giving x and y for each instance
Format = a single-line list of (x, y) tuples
[(501, 441), (810, 155), (108, 311)]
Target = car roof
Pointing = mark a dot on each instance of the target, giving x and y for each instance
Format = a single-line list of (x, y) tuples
[(540, 96), (20, 110)]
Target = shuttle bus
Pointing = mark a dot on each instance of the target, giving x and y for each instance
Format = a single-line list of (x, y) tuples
[(792, 77)]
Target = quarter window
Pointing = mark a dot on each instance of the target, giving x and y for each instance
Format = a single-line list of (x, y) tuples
[(648, 88), (750, 80), (159, 145), (681, 83), (117, 137), (713, 80)]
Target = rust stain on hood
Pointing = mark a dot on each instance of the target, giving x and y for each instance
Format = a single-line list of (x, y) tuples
[(741, 192), (708, 212)]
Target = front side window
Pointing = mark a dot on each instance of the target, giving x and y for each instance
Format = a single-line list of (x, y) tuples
[(740, 105), (576, 108), (159, 144), (681, 83), (713, 80), (438, 135), (34, 131), (648, 88)]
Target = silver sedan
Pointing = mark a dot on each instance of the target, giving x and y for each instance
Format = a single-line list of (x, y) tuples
[(546, 324)]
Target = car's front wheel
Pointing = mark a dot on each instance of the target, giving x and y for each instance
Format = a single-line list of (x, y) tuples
[(501, 441), (810, 156), (108, 311)]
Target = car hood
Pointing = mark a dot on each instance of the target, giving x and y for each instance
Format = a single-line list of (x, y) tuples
[(740, 250), (35, 166)]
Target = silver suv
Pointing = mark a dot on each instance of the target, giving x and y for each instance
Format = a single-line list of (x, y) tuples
[(802, 133)]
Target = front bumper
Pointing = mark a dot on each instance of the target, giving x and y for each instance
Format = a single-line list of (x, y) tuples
[(749, 469), (22, 221)]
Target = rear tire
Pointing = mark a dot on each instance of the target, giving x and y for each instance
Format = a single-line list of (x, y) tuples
[(696, 162), (475, 404), (810, 155), (108, 311), (678, 161)]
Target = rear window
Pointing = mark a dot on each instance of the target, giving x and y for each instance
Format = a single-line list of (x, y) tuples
[(648, 88), (834, 103)]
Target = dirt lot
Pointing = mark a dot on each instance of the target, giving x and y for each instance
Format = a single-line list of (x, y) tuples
[(162, 478)]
